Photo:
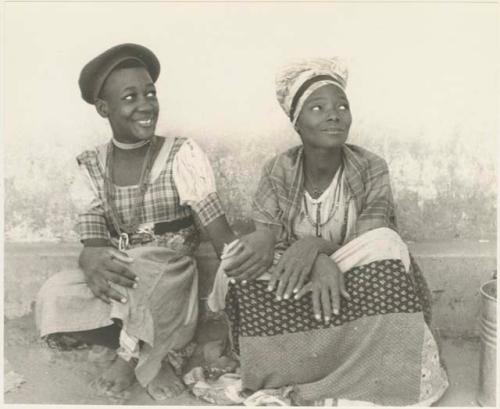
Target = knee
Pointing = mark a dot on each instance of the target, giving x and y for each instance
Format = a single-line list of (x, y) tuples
[(58, 283)]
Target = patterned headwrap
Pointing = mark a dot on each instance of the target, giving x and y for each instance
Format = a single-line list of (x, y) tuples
[(296, 81)]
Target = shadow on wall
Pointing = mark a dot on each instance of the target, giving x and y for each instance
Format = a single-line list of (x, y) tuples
[(443, 190)]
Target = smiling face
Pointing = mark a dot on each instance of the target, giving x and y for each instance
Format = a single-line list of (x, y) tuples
[(128, 100), (325, 118)]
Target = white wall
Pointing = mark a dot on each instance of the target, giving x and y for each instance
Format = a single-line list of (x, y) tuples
[(423, 88)]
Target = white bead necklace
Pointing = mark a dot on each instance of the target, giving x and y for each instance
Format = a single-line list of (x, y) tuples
[(130, 146)]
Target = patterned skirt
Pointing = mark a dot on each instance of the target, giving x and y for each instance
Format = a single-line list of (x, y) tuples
[(379, 349)]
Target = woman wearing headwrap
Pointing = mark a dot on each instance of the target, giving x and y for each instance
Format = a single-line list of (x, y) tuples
[(137, 196), (344, 312)]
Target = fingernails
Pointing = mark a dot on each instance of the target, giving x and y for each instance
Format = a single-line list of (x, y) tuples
[(123, 300), (278, 298), (135, 285), (327, 320), (295, 290), (244, 282), (286, 297), (232, 281), (318, 317), (136, 278), (269, 288), (296, 297), (335, 311)]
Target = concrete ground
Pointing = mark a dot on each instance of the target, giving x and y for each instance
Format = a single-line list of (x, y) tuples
[(63, 377)]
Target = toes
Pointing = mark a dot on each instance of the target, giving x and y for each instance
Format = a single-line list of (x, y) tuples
[(119, 386), (102, 386), (101, 383), (163, 392), (180, 387), (157, 393), (166, 385), (176, 390), (114, 381)]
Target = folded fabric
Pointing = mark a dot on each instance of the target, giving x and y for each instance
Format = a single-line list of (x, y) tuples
[(270, 397), (216, 298), (226, 390)]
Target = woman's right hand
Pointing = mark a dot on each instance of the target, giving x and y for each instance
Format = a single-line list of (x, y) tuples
[(105, 265)]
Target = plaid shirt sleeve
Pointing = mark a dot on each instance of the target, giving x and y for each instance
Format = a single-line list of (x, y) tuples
[(195, 182), (265, 206), (378, 208), (208, 209), (91, 223)]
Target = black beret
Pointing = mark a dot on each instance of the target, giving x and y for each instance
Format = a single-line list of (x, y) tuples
[(97, 70)]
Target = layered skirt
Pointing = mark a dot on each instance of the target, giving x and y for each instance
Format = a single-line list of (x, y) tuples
[(379, 349)]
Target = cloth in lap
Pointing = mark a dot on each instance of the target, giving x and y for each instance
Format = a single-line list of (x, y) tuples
[(379, 349), (161, 312)]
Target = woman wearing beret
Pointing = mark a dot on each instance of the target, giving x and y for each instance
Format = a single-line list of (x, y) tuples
[(136, 290), (343, 314)]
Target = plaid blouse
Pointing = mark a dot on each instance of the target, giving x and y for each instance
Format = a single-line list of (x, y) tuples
[(278, 197), (162, 201)]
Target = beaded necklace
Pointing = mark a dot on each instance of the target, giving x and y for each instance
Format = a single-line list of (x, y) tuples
[(124, 230), (130, 146), (336, 200)]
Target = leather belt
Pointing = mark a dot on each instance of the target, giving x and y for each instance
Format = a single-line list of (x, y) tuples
[(159, 229)]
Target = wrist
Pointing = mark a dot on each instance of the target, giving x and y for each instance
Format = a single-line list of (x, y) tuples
[(267, 236), (323, 265), (88, 255), (325, 247), (270, 237), (322, 256)]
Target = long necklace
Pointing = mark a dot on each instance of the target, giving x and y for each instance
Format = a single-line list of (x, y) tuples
[(336, 204), (124, 230)]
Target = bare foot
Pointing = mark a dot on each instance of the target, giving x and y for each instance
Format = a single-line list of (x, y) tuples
[(118, 377), (166, 385)]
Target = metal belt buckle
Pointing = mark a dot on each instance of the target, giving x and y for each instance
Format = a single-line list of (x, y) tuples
[(123, 242)]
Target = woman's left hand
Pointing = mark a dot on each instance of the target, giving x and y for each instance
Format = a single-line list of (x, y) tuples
[(327, 287), (295, 265)]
